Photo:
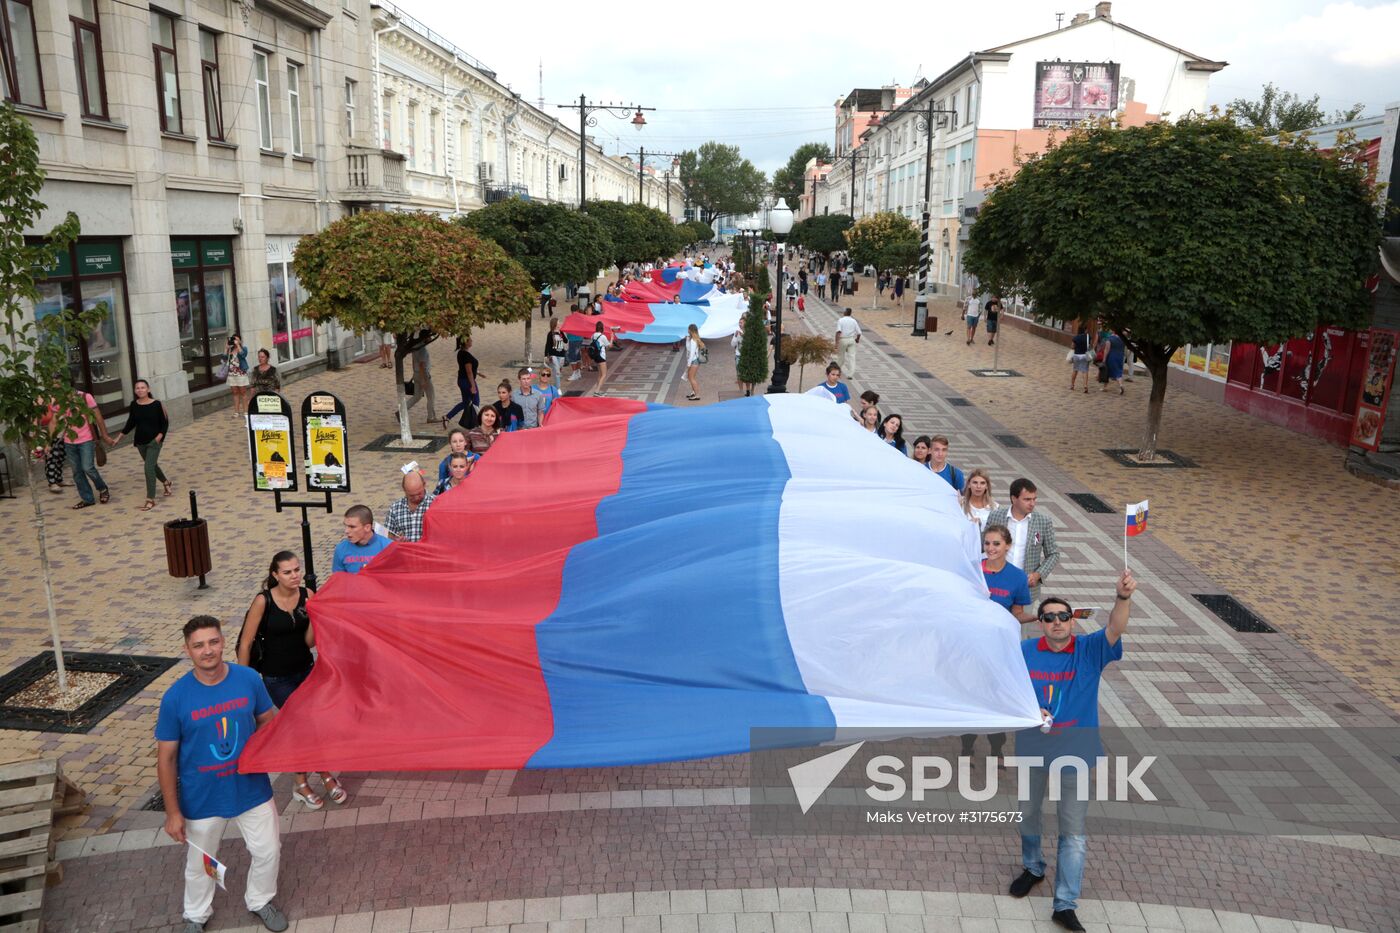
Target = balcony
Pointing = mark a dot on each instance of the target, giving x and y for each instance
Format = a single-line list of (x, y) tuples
[(496, 193), (374, 175)]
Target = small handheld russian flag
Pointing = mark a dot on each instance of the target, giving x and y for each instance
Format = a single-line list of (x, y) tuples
[(1137, 518), (212, 867)]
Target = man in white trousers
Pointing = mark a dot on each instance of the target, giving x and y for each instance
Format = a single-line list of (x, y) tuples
[(847, 337), (206, 718)]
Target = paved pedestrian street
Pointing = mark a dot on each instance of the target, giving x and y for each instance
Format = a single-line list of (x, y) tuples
[(669, 848)]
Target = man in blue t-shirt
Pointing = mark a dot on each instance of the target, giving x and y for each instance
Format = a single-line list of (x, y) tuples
[(361, 542), (206, 718), (938, 462), (1065, 671)]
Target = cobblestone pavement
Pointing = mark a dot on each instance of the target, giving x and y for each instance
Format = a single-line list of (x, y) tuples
[(667, 848)]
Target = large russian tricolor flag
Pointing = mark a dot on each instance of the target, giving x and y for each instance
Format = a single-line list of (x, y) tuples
[(714, 313), (635, 584)]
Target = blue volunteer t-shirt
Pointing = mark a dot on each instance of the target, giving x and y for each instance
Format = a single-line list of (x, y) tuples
[(951, 475), (352, 557), (1009, 586), (212, 725), (1067, 684)]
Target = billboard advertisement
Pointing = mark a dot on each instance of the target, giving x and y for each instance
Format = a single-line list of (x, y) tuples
[(1067, 93)]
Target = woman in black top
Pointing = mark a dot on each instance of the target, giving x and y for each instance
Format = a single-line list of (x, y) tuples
[(276, 641), (466, 384), (509, 415), (1079, 357), (556, 348), (148, 423)]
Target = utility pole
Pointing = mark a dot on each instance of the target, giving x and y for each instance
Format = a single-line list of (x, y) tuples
[(921, 299), (641, 155), (585, 120)]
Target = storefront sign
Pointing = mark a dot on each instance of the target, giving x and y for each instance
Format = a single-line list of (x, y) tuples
[(217, 253), (99, 258), (327, 450), (183, 255), (300, 333), (61, 268), (270, 442), (1374, 397), (1067, 93)]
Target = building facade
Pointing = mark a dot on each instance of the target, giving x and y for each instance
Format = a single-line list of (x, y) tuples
[(996, 105)]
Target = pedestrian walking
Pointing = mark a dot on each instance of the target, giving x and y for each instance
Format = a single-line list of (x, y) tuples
[(197, 763), (821, 285), (976, 498), (993, 316), (459, 468), (546, 302), (1079, 357), (264, 376), (530, 402), (236, 361), (386, 350), (598, 351), (695, 354), (938, 462), (899, 291), (54, 457), (467, 367), (80, 450), (1113, 354), (481, 437), (456, 444), (1066, 670), (833, 388), (148, 423), (406, 515), (870, 420), (556, 347), (509, 415), (1033, 546), (545, 386), (1007, 587), (276, 641), (972, 315), (881, 281), (920, 451), (847, 338), (361, 542)]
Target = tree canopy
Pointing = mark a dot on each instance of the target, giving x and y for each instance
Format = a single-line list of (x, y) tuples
[(718, 180), (638, 233), (790, 180), (553, 243), (1278, 111), (886, 240), (824, 233), (1198, 231), (695, 231)]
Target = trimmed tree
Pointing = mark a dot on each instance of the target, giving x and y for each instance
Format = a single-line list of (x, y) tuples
[(765, 284), (553, 243), (638, 233), (718, 180), (807, 348), (34, 369), (752, 366), (412, 275), (1197, 232), (885, 240), (824, 233)]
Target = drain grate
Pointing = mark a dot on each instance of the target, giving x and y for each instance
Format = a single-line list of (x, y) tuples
[(920, 374), (959, 402), (1233, 613), (1009, 440), (1091, 503)]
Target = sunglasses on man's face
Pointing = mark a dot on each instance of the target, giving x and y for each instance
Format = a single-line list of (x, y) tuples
[(1056, 616)]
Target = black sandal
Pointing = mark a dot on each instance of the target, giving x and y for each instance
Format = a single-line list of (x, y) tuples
[(83, 505)]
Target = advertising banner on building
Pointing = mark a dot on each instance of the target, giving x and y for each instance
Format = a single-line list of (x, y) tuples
[(1375, 389), (1067, 93), (327, 450), (270, 442)]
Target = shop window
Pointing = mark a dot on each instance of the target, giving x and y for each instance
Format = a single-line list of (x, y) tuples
[(293, 336), (167, 72), (205, 306), (89, 275), (213, 95)]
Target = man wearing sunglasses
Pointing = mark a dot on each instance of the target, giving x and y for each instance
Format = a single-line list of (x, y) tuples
[(1065, 669)]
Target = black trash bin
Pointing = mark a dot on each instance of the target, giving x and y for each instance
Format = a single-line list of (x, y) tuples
[(187, 547)]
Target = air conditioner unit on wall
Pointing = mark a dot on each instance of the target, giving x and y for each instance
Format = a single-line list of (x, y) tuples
[(486, 171)]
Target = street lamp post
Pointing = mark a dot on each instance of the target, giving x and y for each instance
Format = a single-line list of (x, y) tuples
[(585, 120), (641, 155), (780, 222), (921, 300)]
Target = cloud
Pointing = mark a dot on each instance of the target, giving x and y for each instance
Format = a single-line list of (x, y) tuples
[(1351, 34)]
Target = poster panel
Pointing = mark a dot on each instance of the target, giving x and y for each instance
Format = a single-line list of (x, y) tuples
[(1067, 93)]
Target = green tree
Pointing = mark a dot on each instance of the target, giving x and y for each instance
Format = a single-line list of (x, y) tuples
[(1198, 232), (752, 365), (824, 233), (411, 275), (807, 348), (718, 180), (764, 287), (34, 369), (1277, 111), (790, 181), (696, 231), (553, 243), (885, 240), (638, 233)]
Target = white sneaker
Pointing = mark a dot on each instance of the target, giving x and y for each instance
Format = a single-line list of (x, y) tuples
[(575, 376)]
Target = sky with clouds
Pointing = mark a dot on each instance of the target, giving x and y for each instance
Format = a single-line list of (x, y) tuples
[(763, 76)]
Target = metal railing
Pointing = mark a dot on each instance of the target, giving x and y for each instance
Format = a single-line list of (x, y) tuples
[(496, 193), (436, 37)]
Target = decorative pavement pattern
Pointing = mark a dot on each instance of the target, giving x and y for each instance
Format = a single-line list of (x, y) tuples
[(667, 848)]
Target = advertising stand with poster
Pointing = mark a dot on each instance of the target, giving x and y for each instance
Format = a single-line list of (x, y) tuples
[(270, 440), (327, 454), (1374, 397)]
